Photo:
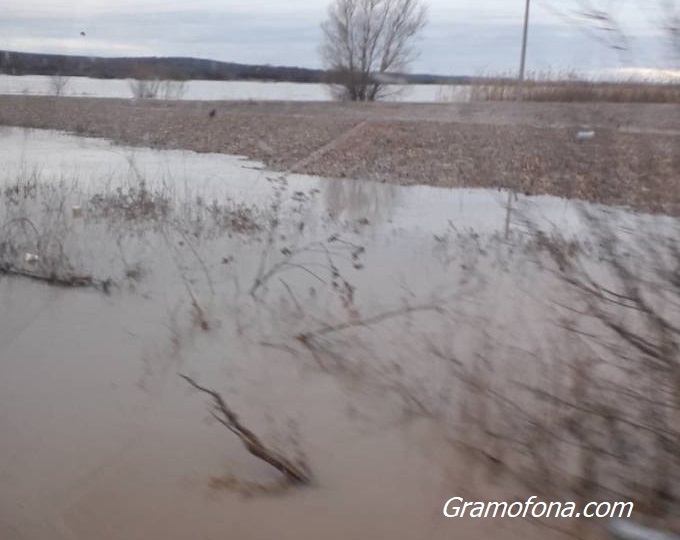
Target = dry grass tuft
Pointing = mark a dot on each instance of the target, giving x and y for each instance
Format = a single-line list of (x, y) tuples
[(574, 91)]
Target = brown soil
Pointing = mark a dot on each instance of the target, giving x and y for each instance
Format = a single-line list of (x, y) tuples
[(633, 159)]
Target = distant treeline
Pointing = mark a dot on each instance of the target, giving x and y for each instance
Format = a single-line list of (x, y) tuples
[(20, 63)]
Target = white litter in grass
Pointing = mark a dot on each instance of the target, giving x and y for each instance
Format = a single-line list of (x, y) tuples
[(585, 135)]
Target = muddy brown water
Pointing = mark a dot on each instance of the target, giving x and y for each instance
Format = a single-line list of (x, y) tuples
[(101, 438)]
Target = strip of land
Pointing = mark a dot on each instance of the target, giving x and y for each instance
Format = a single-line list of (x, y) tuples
[(633, 159)]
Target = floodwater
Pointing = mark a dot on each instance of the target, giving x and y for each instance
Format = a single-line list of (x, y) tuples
[(211, 266), (223, 90)]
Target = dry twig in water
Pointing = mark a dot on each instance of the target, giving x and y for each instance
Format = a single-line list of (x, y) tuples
[(295, 473)]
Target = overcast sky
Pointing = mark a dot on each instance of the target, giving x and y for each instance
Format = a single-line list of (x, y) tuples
[(467, 37)]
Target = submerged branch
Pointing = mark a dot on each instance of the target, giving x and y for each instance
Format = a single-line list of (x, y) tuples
[(74, 281), (295, 473), (306, 336)]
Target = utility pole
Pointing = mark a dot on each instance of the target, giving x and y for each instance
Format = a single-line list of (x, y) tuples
[(522, 63), (524, 42)]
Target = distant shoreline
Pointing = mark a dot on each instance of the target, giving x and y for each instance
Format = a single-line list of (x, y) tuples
[(179, 68)]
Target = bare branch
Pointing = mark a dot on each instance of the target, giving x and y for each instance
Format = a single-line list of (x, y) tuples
[(304, 338), (364, 39), (296, 473)]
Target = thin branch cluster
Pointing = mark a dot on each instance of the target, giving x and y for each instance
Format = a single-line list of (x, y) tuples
[(365, 40)]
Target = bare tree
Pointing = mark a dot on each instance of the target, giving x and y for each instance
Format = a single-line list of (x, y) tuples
[(366, 40), (173, 89), (144, 88), (58, 83)]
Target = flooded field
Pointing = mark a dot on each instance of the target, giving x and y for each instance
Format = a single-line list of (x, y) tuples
[(399, 343), (220, 90)]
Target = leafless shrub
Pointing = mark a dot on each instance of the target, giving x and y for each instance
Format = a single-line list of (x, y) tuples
[(144, 88), (32, 246), (298, 258), (365, 40), (235, 217), (58, 84), (134, 203), (148, 88), (173, 89), (591, 408), (638, 305), (285, 249), (604, 420), (25, 188)]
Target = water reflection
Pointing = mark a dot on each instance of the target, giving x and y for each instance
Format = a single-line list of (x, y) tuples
[(356, 200)]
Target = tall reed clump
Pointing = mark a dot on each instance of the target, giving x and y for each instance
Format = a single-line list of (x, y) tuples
[(570, 87)]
